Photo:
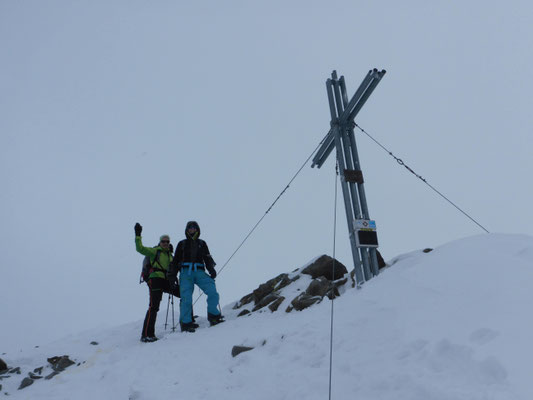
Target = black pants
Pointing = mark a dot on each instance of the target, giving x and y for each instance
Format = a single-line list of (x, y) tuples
[(156, 287)]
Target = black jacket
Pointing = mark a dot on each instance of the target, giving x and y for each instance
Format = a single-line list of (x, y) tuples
[(192, 250)]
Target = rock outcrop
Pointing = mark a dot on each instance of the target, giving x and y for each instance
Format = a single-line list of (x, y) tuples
[(324, 266), (3, 366), (236, 350), (57, 364), (325, 282), (25, 383)]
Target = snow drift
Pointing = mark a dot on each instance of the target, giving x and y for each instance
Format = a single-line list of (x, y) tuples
[(453, 323)]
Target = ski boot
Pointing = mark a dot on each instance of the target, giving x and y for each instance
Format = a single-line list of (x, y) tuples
[(193, 323), (187, 327), (215, 319), (149, 339)]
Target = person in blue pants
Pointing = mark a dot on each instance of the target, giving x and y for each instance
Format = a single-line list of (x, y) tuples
[(192, 259)]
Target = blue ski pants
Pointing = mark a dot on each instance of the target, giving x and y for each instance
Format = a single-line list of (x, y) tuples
[(188, 278)]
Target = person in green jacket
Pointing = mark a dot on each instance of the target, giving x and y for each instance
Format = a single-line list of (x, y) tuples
[(160, 258)]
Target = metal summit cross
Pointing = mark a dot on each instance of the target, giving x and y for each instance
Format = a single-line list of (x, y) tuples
[(362, 230)]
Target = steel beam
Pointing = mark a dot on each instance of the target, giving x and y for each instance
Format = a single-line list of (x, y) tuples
[(349, 113), (341, 136)]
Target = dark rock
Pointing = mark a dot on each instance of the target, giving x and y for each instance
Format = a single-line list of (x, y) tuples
[(33, 376), (340, 282), (275, 304), (25, 383), (303, 301), (286, 281), (266, 301), (50, 376), (427, 250), (38, 370), (0, 388), (332, 293), (3, 366), (236, 350), (60, 363), (261, 292), (318, 287), (289, 308), (245, 300), (15, 370), (271, 286), (352, 277), (4, 377), (94, 343), (64, 362), (268, 287), (323, 266), (322, 287), (243, 312), (381, 261)]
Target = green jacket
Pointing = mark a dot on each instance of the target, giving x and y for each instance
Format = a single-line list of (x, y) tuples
[(165, 257)]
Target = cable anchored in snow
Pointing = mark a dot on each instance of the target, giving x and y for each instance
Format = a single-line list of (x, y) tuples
[(333, 277), (400, 161)]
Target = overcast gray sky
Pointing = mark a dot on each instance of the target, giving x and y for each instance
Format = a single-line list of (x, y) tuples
[(163, 112)]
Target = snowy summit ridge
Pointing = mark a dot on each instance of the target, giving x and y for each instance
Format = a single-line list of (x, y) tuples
[(449, 324)]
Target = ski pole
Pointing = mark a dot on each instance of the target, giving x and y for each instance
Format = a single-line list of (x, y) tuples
[(173, 326), (176, 325), (168, 304)]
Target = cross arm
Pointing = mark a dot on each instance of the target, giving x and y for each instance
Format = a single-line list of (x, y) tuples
[(349, 113)]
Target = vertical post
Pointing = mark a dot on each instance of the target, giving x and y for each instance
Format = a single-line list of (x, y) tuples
[(344, 184), (347, 156), (372, 260), (341, 136), (352, 160)]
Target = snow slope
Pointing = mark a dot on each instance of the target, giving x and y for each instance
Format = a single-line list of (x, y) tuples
[(454, 323)]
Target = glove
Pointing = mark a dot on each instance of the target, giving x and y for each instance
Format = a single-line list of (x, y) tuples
[(173, 284), (138, 229), (210, 265), (172, 281)]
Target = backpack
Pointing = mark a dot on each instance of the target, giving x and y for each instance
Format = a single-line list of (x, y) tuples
[(147, 268)]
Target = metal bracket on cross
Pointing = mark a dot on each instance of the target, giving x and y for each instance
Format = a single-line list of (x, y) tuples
[(362, 230)]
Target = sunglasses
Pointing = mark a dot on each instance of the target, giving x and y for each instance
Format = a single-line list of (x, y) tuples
[(165, 241)]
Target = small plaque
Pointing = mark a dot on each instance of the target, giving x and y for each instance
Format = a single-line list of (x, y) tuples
[(365, 224), (354, 176), (365, 233), (367, 239)]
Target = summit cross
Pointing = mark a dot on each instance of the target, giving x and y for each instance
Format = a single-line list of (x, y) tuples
[(362, 230)]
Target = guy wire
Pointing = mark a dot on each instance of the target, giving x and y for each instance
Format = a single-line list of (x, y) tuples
[(266, 212), (400, 161)]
